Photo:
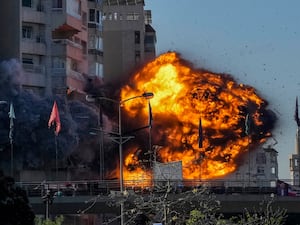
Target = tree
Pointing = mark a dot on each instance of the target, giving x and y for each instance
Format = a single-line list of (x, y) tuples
[(194, 207), (264, 215), (14, 204)]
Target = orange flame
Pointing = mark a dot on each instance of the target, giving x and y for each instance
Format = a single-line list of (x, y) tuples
[(182, 95)]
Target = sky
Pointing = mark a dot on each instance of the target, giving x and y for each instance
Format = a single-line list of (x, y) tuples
[(257, 42)]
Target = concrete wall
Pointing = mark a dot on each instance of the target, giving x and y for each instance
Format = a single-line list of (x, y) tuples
[(10, 29)]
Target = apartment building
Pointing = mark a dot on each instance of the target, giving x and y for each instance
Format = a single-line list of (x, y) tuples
[(49, 38), (95, 39), (62, 43), (128, 38)]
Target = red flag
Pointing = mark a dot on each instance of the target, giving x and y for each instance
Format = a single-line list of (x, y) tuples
[(54, 118)]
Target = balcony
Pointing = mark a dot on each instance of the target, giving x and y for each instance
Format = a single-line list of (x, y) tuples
[(33, 15), (65, 47), (62, 77), (65, 25), (34, 75), (34, 46)]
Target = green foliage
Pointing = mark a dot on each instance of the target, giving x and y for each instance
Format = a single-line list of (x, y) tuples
[(265, 215), (194, 207), (57, 221)]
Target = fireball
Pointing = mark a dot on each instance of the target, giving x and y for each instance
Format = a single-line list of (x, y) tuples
[(199, 118)]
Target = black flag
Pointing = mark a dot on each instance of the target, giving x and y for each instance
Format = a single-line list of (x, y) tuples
[(297, 114), (200, 134)]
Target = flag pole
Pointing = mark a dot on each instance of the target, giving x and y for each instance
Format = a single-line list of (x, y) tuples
[(11, 159), (55, 120), (247, 132), (150, 134), (56, 156), (12, 116)]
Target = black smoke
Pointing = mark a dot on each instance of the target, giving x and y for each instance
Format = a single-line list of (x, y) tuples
[(34, 143)]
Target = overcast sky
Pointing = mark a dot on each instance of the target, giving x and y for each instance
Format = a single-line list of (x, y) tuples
[(257, 42)]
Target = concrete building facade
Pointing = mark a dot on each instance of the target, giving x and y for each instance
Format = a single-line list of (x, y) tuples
[(259, 169), (62, 43), (128, 38), (49, 38)]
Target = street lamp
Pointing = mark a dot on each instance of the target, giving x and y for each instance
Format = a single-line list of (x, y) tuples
[(120, 140)]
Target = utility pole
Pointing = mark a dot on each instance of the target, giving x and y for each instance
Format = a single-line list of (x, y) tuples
[(48, 200)]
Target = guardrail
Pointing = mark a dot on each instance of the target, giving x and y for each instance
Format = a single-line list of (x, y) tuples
[(104, 187)]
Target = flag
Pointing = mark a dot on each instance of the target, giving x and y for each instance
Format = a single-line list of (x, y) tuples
[(200, 134), (54, 119), (247, 125), (297, 114), (150, 115), (11, 115)]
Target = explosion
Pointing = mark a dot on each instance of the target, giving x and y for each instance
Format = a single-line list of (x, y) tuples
[(199, 118)]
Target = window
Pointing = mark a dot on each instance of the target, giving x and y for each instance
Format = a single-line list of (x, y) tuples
[(99, 70), (115, 16), (261, 158), (84, 18), (98, 16), (137, 56), (260, 170), (27, 32), (92, 15), (58, 63), (26, 3), (149, 39), (110, 15), (74, 65), (57, 4), (79, 8), (132, 16), (273, 170), (27, 61), (137, 37)]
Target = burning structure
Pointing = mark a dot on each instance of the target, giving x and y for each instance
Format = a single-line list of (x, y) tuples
[(206, 121)]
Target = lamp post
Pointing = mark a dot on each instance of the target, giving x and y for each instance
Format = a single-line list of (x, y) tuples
[(119, 139)]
